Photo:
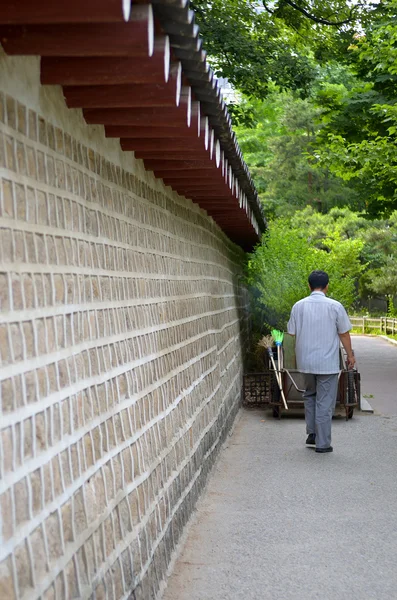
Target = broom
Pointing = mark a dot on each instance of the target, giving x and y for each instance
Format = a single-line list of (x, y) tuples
[(278, 337), (267, 342)]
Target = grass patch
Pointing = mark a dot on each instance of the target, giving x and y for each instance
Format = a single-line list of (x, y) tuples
[(369, 331)]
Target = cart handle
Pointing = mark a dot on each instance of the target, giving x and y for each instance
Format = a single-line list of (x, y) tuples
[(292, 379)]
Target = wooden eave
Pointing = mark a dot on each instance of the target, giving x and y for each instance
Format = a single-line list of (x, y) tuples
[(140, 70)]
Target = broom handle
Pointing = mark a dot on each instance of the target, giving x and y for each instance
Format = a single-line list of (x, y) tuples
[(278, 377), (279, 359)]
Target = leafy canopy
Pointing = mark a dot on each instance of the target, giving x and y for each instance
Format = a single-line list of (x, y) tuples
[(278, 146), (340, 57), (250, 48), (358, 142), (253, 43), (278, 270)]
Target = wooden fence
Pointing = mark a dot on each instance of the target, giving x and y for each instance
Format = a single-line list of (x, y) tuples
[(383, 324)]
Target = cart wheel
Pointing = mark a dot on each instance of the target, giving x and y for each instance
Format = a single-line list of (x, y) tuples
[(275, 397), (351, 388), (351, 395), (276, 412)]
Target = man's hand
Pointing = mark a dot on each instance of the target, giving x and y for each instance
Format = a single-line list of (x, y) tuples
[(351, 361), (347, 344)]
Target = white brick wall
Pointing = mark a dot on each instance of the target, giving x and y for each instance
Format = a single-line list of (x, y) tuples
[(121, 326)]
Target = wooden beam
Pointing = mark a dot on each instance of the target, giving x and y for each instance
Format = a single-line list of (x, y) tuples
[(205, 170), (141, 132), (196, 122), (179, 144), (215, 192), (105, 70), (231, 211), (119, 96), (181, 165), (122, 96), (135, 38), (21, 12), (223, 201), (217, 201), (201, 193), (211, 207), (188, 153), (194, 186), (207, 195), (224, 219), (194, 181), (173, 116), (204, 196)]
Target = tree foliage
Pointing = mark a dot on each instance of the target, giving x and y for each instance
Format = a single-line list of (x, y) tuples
[(278, 147), (250, 48), (359, 254), (253, 43), (376, 238), (335, 13), (340, 58), (358, 142), (317, 123), (279, 268)]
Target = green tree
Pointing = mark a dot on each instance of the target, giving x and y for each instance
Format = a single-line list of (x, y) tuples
[(277, 146), (337, 223), (337, 14), (252, 49), (254, 43), (358, 142), (383, 282), (255, 137), (377, 245), (278, 270)]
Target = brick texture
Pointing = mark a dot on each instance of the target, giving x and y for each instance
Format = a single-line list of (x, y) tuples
[(121, 327)]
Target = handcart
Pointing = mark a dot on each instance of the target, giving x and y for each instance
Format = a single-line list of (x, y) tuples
[(292, 381)]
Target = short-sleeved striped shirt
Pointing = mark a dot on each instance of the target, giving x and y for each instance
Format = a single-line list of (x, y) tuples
[(316, 322)]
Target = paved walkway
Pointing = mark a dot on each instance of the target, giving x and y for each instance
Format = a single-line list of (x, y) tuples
[(377, 363), (280, 522)]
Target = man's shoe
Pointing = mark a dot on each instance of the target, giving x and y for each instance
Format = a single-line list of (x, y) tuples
[(322, 450), (311, 439)]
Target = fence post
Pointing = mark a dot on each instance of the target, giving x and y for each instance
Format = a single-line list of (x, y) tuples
[(364, 324), (393, 322)]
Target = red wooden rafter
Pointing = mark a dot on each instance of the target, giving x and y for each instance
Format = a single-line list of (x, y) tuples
[(114, 62)]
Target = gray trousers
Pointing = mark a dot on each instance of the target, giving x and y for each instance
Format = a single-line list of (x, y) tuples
[(320, 399)]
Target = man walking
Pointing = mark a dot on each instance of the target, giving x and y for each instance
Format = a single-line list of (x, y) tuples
[(318, 323)]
